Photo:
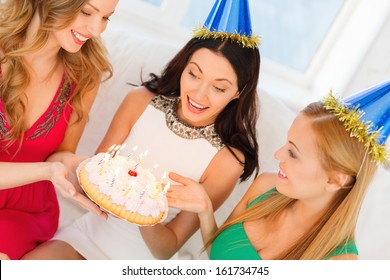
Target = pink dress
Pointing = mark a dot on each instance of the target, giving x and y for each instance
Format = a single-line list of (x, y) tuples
[(29, 214)]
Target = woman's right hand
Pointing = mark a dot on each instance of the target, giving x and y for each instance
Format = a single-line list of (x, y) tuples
[(189, 196)]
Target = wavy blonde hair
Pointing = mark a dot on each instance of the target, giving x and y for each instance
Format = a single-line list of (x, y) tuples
[(339, 152), (84, 69)]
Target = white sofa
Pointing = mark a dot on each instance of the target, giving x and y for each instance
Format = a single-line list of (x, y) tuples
[(134, 56)]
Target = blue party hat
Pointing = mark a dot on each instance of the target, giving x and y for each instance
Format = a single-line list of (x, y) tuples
[(366, 115), (229, 20)]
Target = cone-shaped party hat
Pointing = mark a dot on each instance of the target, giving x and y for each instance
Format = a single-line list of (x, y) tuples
[(229, 20), (366, 115)]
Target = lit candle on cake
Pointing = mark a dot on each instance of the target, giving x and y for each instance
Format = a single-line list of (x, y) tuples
[(117, 149), (132, 172), (110, 150), (141, 158), (166, 187), (159, 183), (142, 194), (159, 188), (103, 162), (132, 152), (132, 185), (114, 178)]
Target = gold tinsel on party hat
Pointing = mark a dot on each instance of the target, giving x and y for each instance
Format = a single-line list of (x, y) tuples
[(364, 131), (251, 41), (229, 20)]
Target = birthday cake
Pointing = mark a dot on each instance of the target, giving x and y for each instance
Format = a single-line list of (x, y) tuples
[(125, 189)]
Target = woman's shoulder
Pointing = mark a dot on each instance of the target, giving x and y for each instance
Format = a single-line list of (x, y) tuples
[(133, 105), (263, 183), (141, 94), (137, 98), (229, 152)]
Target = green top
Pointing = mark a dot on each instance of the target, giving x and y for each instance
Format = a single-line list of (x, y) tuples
[(233, 243)]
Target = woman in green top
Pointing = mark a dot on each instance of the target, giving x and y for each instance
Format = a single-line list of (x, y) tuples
[(309, 209)]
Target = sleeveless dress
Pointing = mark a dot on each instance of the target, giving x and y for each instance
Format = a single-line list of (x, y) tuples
[(173, 146), (29, 213), (234, 244)]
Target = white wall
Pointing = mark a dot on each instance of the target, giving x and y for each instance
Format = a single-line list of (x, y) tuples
[(356, 41)]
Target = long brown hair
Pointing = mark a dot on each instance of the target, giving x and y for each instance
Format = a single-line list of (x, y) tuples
[(84, 69), (338, 152)]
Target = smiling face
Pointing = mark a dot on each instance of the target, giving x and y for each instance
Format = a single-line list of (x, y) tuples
[(208, 83), (90, 22), (301, 175)]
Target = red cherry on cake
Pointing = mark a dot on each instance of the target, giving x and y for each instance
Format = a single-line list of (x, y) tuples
[(132, 173)]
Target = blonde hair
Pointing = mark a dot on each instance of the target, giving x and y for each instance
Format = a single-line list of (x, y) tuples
[(339, 152), (84, 69)]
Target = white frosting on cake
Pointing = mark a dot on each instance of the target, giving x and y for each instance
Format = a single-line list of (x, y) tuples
[(141, 193)]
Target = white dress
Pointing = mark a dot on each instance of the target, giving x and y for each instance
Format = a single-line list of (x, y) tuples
[(173, 146)]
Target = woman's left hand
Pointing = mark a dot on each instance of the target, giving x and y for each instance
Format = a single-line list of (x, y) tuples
[(189, 196), (65, 180)]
